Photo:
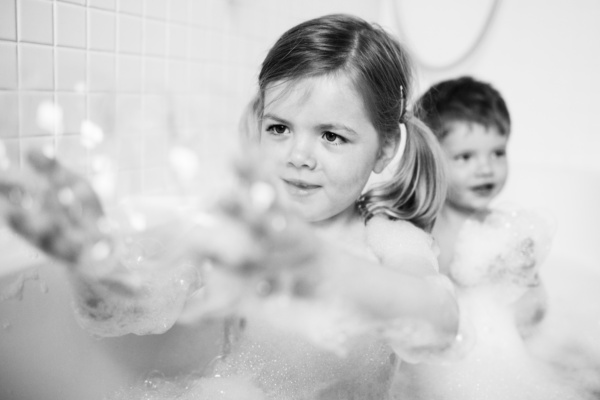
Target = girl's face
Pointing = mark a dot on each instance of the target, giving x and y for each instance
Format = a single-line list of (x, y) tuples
[(477, 166), (324, 147)]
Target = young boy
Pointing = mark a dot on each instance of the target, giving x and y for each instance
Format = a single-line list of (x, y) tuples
[(472, 123)]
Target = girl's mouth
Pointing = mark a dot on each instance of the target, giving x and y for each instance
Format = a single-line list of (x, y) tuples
[(483, 190), (300, 188)]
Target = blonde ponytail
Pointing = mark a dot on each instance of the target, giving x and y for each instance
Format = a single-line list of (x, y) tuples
[(417, 190)]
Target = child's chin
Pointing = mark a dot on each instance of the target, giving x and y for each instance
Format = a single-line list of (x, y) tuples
[(482, 206), (478, 206)]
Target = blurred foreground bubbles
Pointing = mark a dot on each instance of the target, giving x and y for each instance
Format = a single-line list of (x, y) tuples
[(4, 161), (50, 117), (185, 163), (91, 134)]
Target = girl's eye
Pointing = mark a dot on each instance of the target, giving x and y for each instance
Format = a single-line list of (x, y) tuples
[(277, 129), (333, 138)]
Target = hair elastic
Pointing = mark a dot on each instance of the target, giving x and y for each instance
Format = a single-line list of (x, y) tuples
[(403, 131), (403, 137)]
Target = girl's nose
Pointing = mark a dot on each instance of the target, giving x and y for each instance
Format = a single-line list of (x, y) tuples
[(301, 155)]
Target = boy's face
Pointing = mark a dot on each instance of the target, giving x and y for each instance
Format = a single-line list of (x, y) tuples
[(477, 165)]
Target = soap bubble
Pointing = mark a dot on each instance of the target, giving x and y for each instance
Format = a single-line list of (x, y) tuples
[(50, 117), (91, 134)]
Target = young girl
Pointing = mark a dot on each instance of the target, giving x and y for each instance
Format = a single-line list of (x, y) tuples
[(326, 283), (491, 254)]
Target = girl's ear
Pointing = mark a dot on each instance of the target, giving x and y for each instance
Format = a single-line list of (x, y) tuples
[(386, 153)]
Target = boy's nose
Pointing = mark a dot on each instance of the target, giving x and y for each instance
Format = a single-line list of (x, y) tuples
[(301, 154), (484, 166)]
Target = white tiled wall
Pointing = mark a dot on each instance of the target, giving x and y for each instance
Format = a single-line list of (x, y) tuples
[(149, 73)]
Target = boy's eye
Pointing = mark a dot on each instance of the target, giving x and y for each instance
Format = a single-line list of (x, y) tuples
[(499, 153), (277, 129), (331, 137), (463, 157)]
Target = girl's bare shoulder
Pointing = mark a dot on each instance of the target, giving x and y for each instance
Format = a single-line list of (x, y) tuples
[(401, 244)]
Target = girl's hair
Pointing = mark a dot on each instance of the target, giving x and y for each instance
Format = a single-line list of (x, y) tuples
[(381, 71), (249, 124)]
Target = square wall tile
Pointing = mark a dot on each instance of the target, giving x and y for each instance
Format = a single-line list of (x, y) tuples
[(8, 66), (218, 46), (219, 15), (156, 9), (156, 150), (71, 152), (9, 117), (102, 30), (156, 38), (178, 41), (129, 183), (179, 11), (35, 21), (70, 25), (199, 77), (36, 67), (178, 77), (199, 13), (70, 69), (135, 7), (156, 181), (129, 152), (129, 115), (154, 77), (129, 74), (29, 122), (104, 4), (73, 108), (200, 43), (101, 112), (237, 49), (12, 150), (180, 106), (80, 2), (130, 34), (8, 20), (156, 114), (101, 69)]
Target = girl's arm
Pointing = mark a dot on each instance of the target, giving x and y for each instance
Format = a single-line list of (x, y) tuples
[(416, 290), (387, 294), (138, 280), (400, 296), (259, 257)]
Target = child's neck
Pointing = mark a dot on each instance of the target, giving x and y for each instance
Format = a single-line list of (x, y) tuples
[(340, 224), (445, 231), (454, 216)]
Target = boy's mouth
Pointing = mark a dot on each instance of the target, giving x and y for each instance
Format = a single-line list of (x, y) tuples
[(483, 190)]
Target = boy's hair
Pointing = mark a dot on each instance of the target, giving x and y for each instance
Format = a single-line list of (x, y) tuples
[(463, 100), (382, 73)]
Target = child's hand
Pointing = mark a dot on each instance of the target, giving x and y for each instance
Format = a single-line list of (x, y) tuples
[(56, 210), (525, 271), (257, 250), (252, 235), (530, 309), (519, 264)]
